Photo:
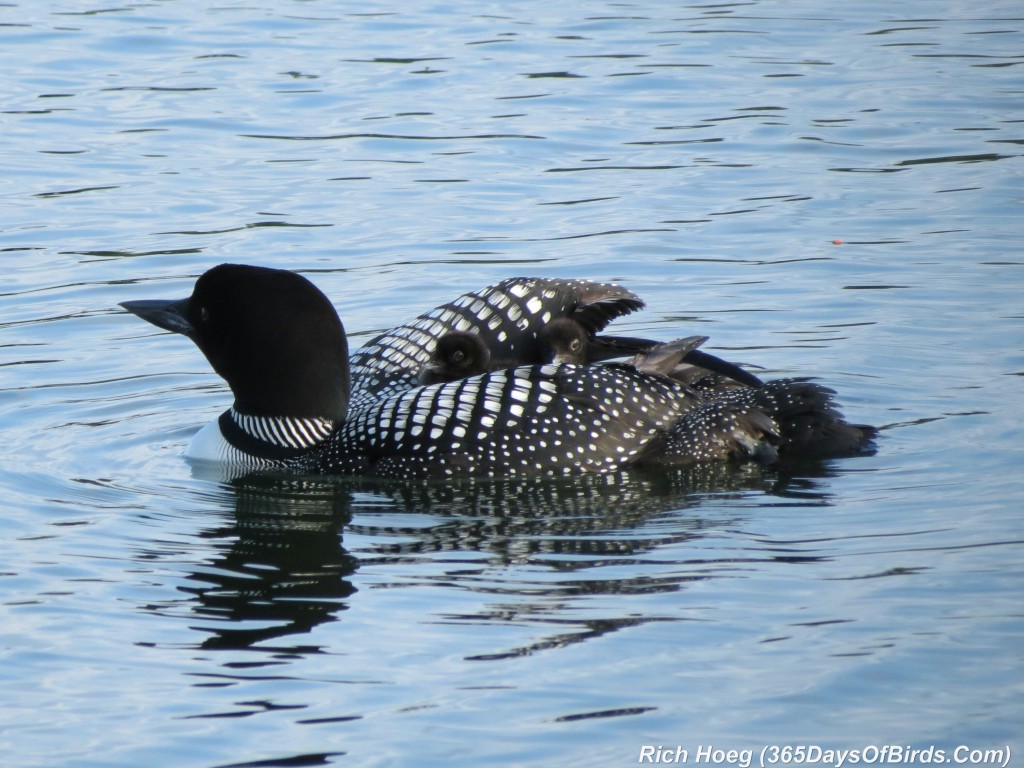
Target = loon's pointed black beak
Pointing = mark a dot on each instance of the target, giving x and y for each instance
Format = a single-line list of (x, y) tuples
[(169, 314)]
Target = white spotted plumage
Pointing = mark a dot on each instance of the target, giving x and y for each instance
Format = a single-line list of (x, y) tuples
[(494, 424)]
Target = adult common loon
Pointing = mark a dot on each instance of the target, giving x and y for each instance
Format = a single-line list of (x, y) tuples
[(301, 404)]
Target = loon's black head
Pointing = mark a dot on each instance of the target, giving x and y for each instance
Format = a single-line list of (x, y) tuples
[(270, 333)]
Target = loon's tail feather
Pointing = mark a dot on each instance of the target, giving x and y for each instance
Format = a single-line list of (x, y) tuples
[(810, 424), (794, 418)]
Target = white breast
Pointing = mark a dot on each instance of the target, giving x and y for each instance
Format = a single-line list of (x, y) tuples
[(209, 444)]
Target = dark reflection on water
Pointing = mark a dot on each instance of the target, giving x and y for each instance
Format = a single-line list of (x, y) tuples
[(283, 571), (282, 567)]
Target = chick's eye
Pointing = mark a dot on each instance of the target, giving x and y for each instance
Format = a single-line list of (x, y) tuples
[(575, 345)]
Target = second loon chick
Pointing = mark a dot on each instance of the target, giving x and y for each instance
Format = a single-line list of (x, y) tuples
[(564, 340), (279, 344)]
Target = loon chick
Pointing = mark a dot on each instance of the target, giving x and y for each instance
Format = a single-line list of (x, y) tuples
[(279, 344), (457, 355), (564, 340)]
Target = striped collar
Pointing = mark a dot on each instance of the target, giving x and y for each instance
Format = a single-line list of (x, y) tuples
[(273, 437)]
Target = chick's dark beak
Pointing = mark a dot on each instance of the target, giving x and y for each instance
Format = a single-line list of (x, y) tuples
[(169, 314)]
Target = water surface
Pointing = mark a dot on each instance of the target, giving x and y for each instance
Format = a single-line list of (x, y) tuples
[(823, 188)]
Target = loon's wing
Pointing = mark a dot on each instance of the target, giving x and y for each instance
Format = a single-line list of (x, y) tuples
[(539, 419), (507, 316)]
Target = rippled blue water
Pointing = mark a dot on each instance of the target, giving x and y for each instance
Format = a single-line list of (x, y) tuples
[(824, 188)]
